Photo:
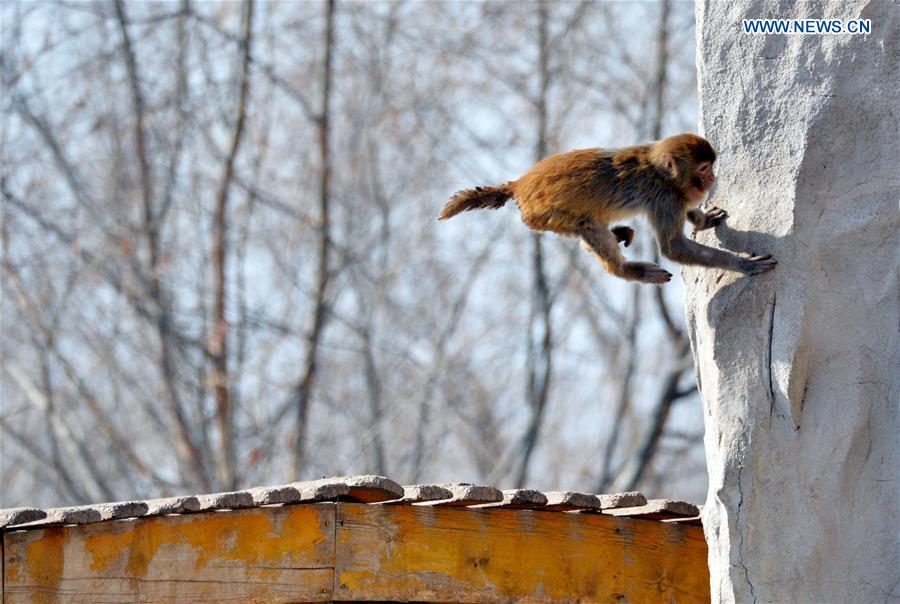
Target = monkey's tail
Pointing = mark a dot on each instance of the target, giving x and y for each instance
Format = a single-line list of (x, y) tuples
[(477, 199)]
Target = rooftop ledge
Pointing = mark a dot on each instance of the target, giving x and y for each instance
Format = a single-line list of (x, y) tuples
[(359, 538)]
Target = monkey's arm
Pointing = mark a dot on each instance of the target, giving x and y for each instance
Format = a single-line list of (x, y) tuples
[(675, 246), (681, 249), (706, 220)]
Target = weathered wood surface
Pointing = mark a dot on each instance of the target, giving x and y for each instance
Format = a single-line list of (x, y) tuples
[(350, 551), (496, 555), (274, 554)]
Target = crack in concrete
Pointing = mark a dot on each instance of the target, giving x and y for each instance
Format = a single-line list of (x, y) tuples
[(737, 522), (769, 358)]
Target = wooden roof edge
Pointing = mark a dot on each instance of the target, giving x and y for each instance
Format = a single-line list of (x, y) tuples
[(368, 489)]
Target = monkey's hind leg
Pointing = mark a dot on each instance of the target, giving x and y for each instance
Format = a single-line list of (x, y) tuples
[(602, 242)]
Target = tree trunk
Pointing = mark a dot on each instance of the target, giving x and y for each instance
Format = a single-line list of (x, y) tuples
[(304, 389), (539, 356), (798, 369), (220, 376)]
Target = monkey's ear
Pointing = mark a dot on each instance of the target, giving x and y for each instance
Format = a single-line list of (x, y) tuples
[(667, 163)]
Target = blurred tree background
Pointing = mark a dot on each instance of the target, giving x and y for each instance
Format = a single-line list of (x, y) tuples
[(222, 267)]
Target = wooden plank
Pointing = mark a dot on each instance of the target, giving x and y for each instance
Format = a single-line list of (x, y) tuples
[(496, 555), (695, 520), (273, 554)]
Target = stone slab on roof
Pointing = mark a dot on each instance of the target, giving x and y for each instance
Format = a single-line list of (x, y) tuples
[(367, 489)]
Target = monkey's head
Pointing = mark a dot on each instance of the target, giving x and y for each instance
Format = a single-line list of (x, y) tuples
[(687, 160)]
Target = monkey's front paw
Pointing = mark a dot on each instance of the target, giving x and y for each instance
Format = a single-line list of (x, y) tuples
[(646, 272), (715, 216), (756, 265), (624, 234)]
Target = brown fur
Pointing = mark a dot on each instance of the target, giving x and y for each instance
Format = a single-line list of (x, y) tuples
[(580, 192), (479, 198), (562, 193)]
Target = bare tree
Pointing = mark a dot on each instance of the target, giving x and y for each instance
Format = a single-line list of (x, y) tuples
[(328, 324)]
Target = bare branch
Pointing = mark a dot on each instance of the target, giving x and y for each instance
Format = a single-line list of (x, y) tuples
[(624, 398), (140, 142), (669, 396)]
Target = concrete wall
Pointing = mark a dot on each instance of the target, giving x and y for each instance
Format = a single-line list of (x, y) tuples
[(799, 368)]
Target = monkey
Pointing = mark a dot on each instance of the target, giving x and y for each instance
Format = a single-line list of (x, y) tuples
[(579, 193)]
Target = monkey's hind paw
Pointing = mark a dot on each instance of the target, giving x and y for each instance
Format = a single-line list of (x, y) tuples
[(647, 272), (624, 234), (756, 265)]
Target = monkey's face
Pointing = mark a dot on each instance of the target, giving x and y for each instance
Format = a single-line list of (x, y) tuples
[(702, 181)]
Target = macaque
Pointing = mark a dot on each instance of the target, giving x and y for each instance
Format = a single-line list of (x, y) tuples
[(579, 193)]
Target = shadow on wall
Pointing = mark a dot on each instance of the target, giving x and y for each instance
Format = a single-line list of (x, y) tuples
[(752, 296)]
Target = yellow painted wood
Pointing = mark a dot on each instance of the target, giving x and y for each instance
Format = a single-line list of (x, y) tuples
[(274, 554), (319, 552), (465, 555)]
